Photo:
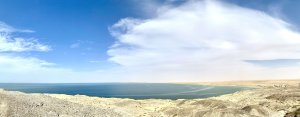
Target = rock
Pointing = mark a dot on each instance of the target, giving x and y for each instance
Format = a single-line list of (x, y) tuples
[(295, 113)]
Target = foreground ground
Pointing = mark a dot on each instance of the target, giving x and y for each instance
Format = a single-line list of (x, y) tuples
[(267, 100)]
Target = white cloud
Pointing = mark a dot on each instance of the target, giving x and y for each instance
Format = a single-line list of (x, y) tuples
[(9, 43), (18, 44), (9, 29), (197, 41), (82, 44), (92, 61), (75, 45), (204, 40), (22, 64), (10, 61), (16, 68)]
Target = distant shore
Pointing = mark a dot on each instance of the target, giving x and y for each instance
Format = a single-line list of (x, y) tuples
[(251, 83)]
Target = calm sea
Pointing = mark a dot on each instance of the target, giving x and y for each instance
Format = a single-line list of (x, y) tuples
[(127, 90)]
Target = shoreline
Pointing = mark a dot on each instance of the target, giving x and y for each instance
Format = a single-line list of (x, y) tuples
[(250, 83), (269, 100), (133, 91)]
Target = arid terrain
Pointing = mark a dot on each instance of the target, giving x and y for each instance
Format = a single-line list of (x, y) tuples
[(276, 100), (252, 83)]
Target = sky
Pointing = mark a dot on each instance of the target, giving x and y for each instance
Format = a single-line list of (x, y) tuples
[(88, 41)]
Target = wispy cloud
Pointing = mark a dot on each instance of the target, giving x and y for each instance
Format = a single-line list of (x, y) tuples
[(19, 44), (204, 40), (276, 62), (75, 45), (4, 28), (17, 68), (10, 43), (93, 61), (82, 44), (10, 61), (18, 64)]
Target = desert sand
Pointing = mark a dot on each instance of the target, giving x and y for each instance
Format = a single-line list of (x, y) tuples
[(276, 100)]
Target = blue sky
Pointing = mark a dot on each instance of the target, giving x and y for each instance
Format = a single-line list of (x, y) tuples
[(113, 36), (61, 23)]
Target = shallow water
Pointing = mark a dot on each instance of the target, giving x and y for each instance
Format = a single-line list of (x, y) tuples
[(127, 90)]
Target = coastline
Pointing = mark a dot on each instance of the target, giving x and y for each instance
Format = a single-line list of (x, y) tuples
[(250, 83), (268, 100)]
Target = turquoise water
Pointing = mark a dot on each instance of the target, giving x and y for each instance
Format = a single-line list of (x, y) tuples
[(127, 90)]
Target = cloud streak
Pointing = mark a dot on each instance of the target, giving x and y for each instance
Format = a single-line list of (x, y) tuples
[(10, 61), (4, 28), (18, 44), (15, 68), (9, 43)]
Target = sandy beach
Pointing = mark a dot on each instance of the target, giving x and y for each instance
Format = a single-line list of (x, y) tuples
[(270, 100)]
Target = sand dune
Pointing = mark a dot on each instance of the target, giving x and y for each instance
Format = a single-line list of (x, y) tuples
[(267, 101)]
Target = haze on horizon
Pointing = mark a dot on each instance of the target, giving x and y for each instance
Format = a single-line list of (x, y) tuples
[(148, 41)]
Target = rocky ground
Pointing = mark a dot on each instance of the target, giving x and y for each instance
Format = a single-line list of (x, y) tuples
[(272, 101)]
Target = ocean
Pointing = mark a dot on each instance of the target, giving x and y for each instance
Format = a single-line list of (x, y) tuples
[(126, 90)]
